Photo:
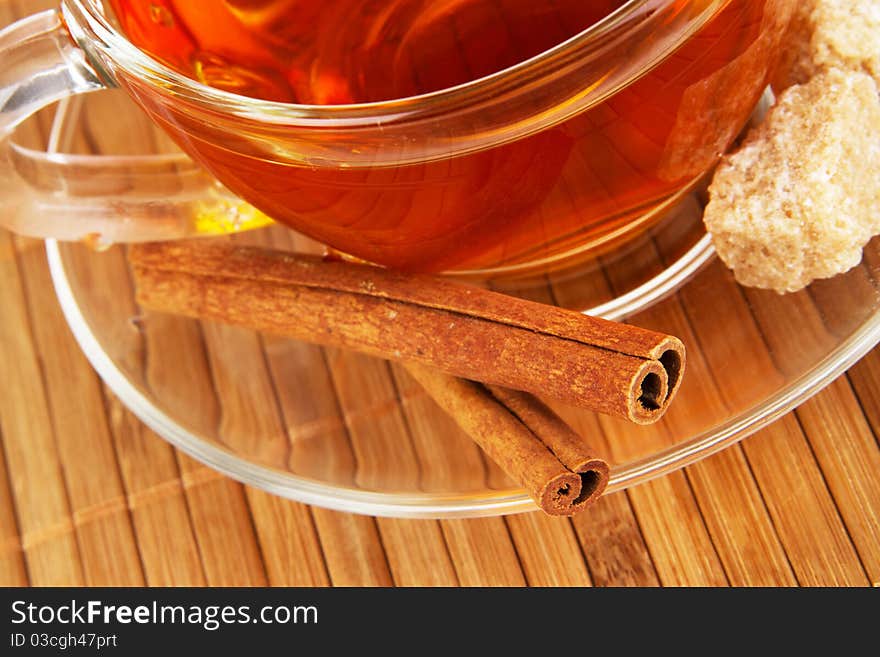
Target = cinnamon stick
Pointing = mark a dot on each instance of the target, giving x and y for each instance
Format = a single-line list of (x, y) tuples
[(458, 329), (532, 444)]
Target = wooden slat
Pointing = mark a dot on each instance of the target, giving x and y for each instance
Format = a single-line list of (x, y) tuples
[(724, 351), (865, 378), (32, 459), (837, 424), (450, 461), (609, 533), (168, 359), (249, 425), (319, 444), (382, 444), (548, 550), (865, 374), (729, 498), (168, 547), (374, 421), (675, 532), (740, 525), (290, 546), (178, 375), (613, 544), (288, 542), (31, 134), (810, 533), (814, 474), (803, 512), (352, 549), (221, 522), (179, 380), (840, 438), (13, 571), (417, 552), (668, 512), (850, 460), (832, 559), (147, 465), (482, 552), (100, 510), (320, 449)]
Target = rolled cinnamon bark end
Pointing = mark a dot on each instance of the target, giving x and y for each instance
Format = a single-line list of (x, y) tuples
[(532, 444), (559, 494), (657, 381), (564, 443), (572, 492), (594, 480)]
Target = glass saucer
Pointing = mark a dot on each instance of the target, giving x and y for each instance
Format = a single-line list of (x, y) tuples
[(354, 433)]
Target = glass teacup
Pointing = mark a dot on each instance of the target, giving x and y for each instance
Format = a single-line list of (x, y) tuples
[(563, 155)]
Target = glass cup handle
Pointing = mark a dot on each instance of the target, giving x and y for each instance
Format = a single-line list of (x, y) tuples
[(90, 197), (40, 64)]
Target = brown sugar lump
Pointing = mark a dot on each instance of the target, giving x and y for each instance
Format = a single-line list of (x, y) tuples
[(801, 197), (831, 34)]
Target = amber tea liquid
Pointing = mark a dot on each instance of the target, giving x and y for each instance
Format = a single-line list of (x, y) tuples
[(536, 199)]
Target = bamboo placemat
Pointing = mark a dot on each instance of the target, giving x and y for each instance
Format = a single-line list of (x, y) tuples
[(89, 496)]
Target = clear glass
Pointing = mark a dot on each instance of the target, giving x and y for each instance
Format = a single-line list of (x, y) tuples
[(353, 433), (570, 152)]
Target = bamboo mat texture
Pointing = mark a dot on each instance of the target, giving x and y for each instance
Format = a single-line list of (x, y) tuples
[(90, 496)]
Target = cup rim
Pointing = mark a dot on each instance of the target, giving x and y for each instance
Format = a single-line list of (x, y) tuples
[(132, 59)]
